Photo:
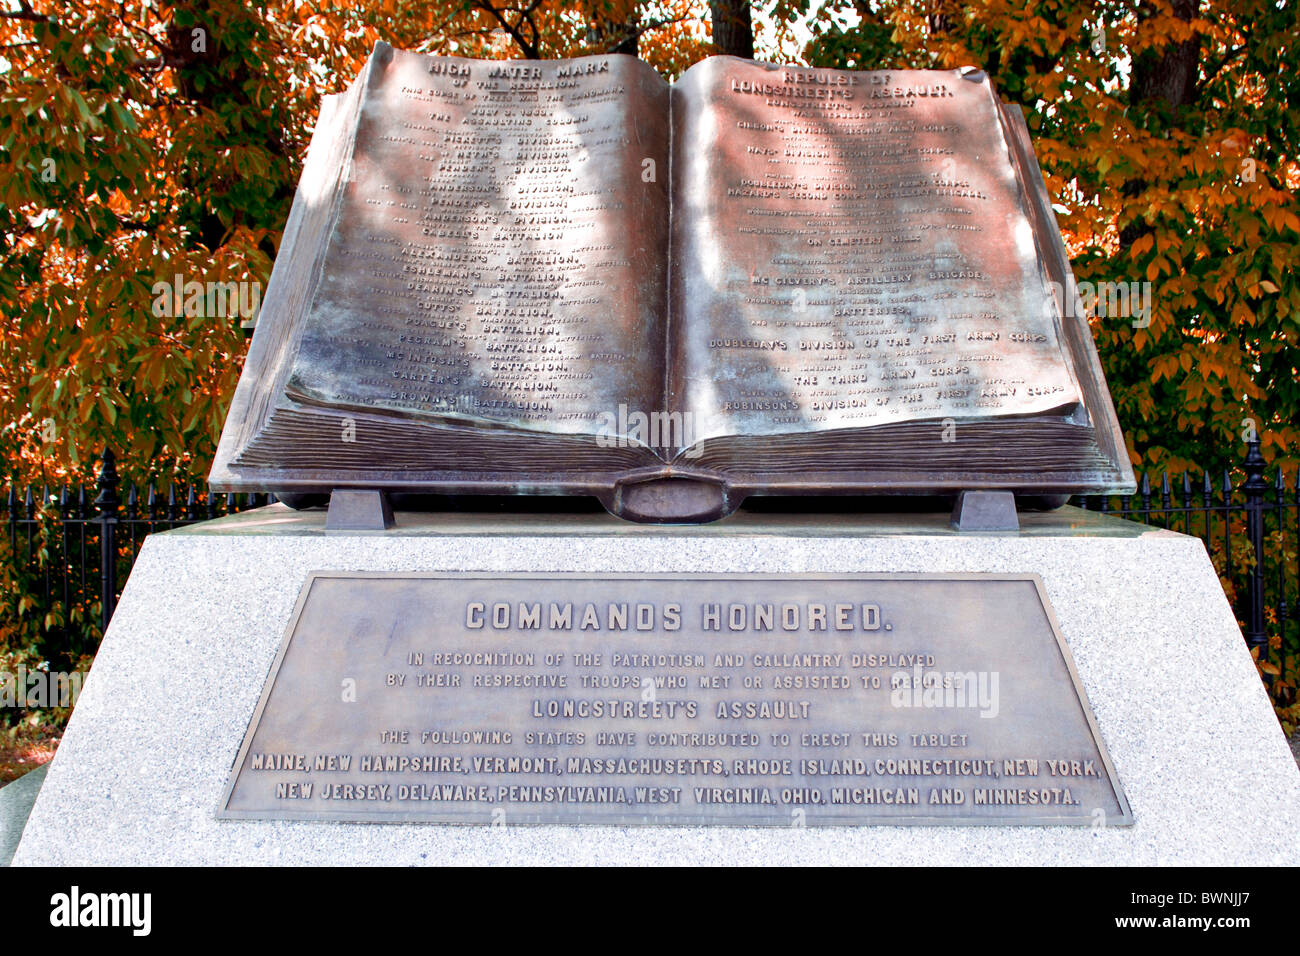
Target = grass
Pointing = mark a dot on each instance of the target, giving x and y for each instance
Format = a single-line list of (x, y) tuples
[(24, 748)]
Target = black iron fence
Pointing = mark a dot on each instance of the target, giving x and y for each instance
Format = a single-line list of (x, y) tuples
[(70, 554), (71, 548)]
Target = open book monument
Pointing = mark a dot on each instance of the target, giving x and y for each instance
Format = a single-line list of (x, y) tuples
[(569, 277)]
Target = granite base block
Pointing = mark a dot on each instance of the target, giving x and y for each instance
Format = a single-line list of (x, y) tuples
[(142, 766)]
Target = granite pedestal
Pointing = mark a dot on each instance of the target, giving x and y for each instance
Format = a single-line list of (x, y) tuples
[(142, 766)]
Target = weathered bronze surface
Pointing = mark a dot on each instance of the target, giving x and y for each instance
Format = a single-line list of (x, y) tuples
[(713, 699), (570, 277), (878, 262), (498, 256)]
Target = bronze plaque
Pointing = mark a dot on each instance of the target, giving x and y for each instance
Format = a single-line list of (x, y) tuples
[(743, 699)]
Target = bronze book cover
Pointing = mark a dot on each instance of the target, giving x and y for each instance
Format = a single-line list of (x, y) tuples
[(571, 277)]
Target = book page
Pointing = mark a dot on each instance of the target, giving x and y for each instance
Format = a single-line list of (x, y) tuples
[(499, 256), (852, 249)]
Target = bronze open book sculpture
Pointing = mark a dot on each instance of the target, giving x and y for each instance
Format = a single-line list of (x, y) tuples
[(569, 277)]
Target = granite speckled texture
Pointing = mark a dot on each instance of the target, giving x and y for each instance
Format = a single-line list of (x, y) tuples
[(16, 799), (140, 771)]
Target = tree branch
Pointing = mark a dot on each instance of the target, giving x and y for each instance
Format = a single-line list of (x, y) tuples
[(1211, 74), (529, 49)]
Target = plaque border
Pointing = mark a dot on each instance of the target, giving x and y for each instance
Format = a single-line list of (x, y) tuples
[(1124, 819)]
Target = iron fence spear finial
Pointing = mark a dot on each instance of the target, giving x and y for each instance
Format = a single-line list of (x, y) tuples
[(1255, 487), (107, 501)]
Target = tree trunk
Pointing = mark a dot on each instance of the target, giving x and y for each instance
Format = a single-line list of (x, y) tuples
[(1163, 82), (615, 37), (1167, 73), (733, 31)]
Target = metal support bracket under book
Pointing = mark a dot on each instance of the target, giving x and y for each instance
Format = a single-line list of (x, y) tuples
[(353, 510)]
